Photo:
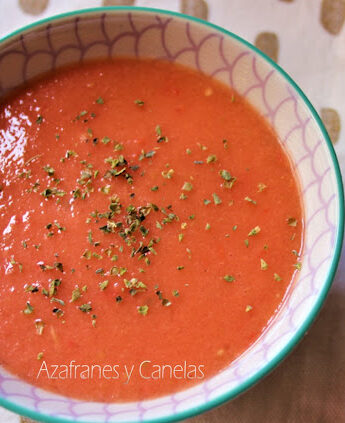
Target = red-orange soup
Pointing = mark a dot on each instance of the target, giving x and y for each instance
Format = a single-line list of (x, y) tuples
[(148, 214)]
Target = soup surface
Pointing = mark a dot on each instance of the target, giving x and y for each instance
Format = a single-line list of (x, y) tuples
[(151, 227)]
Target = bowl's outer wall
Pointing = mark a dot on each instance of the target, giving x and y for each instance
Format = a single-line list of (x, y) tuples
[(110, 33)]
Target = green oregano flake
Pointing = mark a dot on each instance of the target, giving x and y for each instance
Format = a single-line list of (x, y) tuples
[(168, 174), (100, 100), (50, 171), (85, 308), (158, 131), (147, 155), (57, 300), (53, 285), (144, 231), (225, 174), (277, 277), (229, 278), (298, 266), (228, 179), (103, 285), (254, 231), (134, 285), (75, 294), (160, 137), (87, 254), (216, 199), (94, 320), (28, 309), (166, 302), (263, 264), (261, 187), (211, 158), (39, 325), (106, 189), (50, 192), (59, 227), (292, 221), (122, 270), (143, 310), (70, 153), (118, 147), (58, 312), (250, 200), (139, 102), (15, 263), (31, 288), (187, 186), (105, 140)]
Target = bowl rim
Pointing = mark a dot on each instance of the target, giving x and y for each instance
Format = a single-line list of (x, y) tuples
[(300, 332)]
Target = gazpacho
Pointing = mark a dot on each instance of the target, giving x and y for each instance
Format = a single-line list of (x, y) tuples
[(151, 228)]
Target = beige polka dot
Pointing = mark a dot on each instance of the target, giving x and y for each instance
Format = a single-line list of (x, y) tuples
[(26, 420), (331, 120), (118, 2), (333, 15), (268, 43), (197, 8), (34, 7)]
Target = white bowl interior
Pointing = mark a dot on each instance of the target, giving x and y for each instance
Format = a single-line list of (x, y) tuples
[(151, 34)]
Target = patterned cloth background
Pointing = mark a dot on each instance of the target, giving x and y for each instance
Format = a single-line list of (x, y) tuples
[(307, 38)]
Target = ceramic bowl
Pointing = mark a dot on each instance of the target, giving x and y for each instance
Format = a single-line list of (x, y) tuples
[(111, 32)]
